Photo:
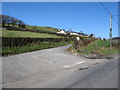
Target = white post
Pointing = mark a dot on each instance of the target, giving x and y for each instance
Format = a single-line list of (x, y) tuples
[(110, 31), (77, 38)]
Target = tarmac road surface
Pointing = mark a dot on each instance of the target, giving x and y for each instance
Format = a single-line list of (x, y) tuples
[(57, 68)]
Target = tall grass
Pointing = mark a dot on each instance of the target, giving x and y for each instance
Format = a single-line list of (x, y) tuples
[(99, 46)]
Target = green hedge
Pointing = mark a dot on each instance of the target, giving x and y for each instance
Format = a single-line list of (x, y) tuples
[(14, 41)]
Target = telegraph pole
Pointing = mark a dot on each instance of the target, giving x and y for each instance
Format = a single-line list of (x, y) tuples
[(110, 34)]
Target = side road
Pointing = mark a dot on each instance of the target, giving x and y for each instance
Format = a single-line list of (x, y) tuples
[(43, 66)]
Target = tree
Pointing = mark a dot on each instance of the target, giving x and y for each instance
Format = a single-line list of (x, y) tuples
[(14, 22), (91, 35), (99, 38), (3, 19), (11, 21)]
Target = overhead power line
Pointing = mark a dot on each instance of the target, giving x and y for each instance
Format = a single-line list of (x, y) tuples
[(109, 12), (115, 19), (105, 7)]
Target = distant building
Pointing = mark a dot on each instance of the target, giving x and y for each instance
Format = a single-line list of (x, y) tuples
[(81, 35), (61, 31), (77, 38), (115, 38), (74, 34)]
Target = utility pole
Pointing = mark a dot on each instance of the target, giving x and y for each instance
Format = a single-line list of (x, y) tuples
[(110, 34)]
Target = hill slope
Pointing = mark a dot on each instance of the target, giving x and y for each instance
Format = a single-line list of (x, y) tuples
[(10, 33)]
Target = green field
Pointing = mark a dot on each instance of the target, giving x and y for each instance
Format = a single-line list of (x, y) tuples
[(10, 33), (41, 28)]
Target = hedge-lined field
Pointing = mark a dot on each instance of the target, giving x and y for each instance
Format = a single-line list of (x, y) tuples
[(10, 33), (25, 40)]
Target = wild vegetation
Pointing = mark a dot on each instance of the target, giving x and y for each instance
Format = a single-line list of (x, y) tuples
[(101, 47)]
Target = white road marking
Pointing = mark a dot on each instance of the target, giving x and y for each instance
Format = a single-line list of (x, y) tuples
[(34, 57), (49, 61), (68, 66)]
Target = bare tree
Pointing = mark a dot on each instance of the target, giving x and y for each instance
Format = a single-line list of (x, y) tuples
[(11, 21)]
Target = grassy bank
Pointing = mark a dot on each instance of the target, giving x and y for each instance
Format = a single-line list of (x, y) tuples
[(29, 48), (99, 46), (10, 33)]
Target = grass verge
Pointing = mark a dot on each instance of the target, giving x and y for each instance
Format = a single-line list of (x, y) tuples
[(99, 46), (29, 48)]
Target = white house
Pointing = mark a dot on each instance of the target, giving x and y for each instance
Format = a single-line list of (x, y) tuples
[(73, 34), (61, 32), (77, 38)]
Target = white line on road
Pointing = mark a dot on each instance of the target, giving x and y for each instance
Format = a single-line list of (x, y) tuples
[(49, 61), (34, 57), (68, 66)]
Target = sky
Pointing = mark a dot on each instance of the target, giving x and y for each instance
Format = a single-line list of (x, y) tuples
[(89, 17)]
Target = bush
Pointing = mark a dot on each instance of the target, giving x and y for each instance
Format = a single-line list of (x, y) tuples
[(104, 39), (81, 42)]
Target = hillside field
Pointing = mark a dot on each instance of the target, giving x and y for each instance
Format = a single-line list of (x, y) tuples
[(41, 28), (10, 33)]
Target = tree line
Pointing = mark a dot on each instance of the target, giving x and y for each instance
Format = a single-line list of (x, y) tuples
[(8, 21)]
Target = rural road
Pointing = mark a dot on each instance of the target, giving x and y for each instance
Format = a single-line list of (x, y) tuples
[(57, 68)]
